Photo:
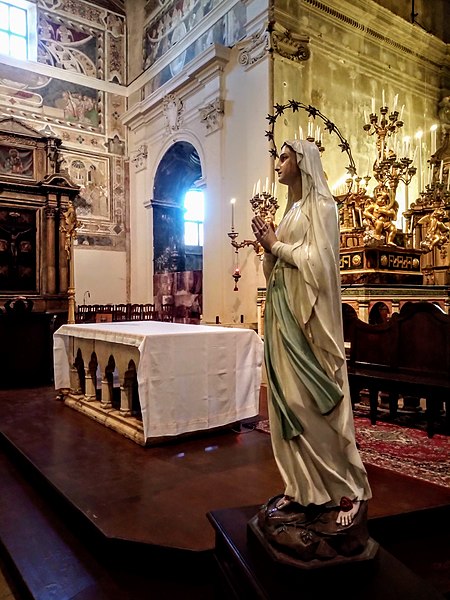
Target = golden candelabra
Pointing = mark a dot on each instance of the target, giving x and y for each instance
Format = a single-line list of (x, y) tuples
[(389, 167), (264, 205)]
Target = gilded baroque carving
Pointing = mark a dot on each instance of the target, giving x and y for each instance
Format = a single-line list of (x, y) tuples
[(211, 115), (292, 46), (173, 111), (254, 49)]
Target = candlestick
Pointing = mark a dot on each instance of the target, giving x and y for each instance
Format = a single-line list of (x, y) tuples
[(233, 201)]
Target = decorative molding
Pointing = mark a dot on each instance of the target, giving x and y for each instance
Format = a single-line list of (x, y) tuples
[(173, 111), (206, 67), (287, 44), (140, 158), (404, 30), (254, 49), (212, 115)]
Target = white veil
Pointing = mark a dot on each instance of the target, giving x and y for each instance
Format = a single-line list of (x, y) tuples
[(314, 292)]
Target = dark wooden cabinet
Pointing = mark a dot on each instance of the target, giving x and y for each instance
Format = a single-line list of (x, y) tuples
[(26, 348)]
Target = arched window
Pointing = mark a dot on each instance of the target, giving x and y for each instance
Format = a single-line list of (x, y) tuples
[(193, 218)]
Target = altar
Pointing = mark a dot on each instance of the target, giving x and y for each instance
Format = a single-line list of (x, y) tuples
[(187, 378)]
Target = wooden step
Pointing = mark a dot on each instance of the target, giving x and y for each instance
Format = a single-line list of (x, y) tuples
[(47, 558), (51, 553)]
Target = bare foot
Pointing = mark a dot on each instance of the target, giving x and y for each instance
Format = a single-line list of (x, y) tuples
[(349, 510)]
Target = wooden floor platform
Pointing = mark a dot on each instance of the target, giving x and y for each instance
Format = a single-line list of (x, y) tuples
[(131, 522)]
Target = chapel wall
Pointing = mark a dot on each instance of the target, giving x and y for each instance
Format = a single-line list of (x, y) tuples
[(76, 91)]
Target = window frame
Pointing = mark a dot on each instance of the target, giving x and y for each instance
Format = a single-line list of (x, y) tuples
[(199, 224), (31, 36)]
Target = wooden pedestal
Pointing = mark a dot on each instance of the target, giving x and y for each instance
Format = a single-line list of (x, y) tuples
[(248, 571)]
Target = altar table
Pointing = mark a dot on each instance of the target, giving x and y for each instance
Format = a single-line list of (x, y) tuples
[(190, 377)]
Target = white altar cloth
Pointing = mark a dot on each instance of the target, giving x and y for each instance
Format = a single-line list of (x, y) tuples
[(190, 377)]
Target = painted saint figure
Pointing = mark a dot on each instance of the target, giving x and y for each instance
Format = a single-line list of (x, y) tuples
[(310, 412)]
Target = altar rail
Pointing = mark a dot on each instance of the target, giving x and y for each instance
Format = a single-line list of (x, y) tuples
[(408, 355)]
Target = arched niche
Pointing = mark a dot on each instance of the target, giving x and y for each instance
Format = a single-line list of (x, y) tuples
[(177, 278)]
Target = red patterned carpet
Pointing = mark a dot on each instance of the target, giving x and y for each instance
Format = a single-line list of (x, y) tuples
[(402, 449)]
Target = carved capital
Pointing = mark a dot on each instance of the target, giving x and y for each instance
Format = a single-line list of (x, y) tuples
[(292, 46), (140, 157), (254, 49), (173, 111), (211, 115), (50, 212)]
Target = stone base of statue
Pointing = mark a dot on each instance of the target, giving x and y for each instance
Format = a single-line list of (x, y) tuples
[(309, 537)]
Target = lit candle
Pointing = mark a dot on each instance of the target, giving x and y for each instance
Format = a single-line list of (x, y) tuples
[(433, 138), (373, 105), (366, 118), (300, 132), (254, 190), (406, 146), (258, 187), (395, 102), (383, 99), (401, 113), (441, 171), (233, 202), (266, 189), (419, 135), (448, 179), (310, 129)]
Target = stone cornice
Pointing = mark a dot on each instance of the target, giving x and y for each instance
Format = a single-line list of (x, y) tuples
[(197, 73), (385, 27)]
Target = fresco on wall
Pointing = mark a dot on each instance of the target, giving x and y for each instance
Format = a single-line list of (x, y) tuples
[(58, 100), (77, 37), (92, 175), (180, 16), (101, 204), (71, 46)]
